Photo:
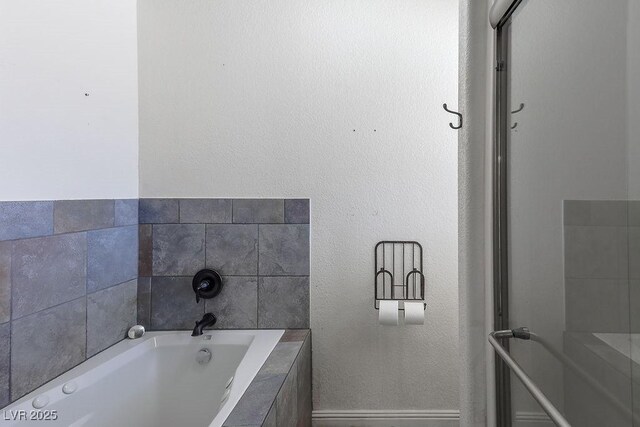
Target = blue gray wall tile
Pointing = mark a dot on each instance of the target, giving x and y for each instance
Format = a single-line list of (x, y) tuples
[(110, 314), (304, 385), (254, 406), (47, 271), (294, 335), (287, 401), (5, 281), (126, 212), (271, 420), (173, 303), (634, 315), (62, 333), (5, 364), (236, 307), (258, 211), (159, 211), (597, 305), (145, 250), (233, 249), (634, 252), (243, 239), (284, 250), (283, 302), (296, 211), (634, 213), (178, 249), (205, 211), (22, 220), (144, 301), (44, 278), (597, 252), (81, 215), (112, 257), (601, 256), (281, 358), (596, 212)]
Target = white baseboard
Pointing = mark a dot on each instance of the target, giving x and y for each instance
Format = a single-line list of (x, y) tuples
[(389, 418), (412, 418), (532, 419)]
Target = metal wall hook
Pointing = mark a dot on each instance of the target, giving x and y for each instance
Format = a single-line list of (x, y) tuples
[(515, 125), (457, 114), (519, 109)]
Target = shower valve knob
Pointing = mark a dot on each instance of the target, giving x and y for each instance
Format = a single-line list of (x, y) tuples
[(206, 284)]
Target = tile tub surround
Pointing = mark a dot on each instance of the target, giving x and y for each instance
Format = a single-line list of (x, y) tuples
[(601, 265), (260, 247), (68, 286), (280, 394)]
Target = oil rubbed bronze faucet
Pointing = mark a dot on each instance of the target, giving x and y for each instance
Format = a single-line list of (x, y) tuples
[(207, 320)]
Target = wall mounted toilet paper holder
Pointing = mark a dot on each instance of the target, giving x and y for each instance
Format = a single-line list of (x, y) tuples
[(403, 260)]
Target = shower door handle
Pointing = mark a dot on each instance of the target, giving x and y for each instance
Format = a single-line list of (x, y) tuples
[(528, 383)]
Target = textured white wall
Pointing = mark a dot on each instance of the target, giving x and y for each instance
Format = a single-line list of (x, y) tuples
[(339, 102), (474, 209), (55, 142)]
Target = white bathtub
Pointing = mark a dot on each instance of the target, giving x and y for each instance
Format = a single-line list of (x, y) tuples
[(151, 381)]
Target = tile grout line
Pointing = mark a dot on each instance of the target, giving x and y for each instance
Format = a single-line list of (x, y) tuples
[(112, 286), (67, 233), (49, 308)]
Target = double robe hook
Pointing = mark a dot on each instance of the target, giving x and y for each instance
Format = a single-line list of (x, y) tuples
[(515, 125), (457, 114)]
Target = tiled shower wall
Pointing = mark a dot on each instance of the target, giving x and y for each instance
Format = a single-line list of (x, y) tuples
[(602, 265), (259, 246), (68, 273)]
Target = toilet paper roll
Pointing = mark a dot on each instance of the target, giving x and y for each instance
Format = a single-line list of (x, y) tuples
[(413, 313), (388, 313)]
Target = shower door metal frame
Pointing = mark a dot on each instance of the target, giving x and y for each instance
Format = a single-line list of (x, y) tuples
[(500, 16)]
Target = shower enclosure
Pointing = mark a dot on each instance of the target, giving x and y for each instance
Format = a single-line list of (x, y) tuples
[(566, 224)]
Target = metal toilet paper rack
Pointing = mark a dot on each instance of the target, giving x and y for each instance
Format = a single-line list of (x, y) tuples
[(401, 259)]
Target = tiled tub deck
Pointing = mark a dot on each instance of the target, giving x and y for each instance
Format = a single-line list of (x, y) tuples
[(280, 394)]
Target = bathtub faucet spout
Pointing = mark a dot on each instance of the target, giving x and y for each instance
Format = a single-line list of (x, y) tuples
[(207, 320)]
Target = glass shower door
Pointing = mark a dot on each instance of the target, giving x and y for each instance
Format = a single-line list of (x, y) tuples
[(573, 185)]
